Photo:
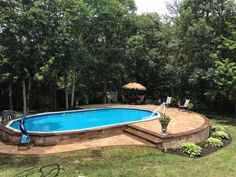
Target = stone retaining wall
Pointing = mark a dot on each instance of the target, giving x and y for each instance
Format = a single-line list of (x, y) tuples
[(13, 138), (174, 142)]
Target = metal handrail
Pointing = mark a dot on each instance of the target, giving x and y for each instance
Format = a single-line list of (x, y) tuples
[(162, 106)]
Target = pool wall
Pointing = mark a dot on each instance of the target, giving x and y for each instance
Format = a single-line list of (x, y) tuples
[(12, 136), (51, 139)]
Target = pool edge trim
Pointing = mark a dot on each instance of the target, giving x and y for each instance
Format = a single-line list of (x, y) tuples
[(7, 126)]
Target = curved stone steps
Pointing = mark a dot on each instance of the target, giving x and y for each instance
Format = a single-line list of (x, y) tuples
[(144, 135)]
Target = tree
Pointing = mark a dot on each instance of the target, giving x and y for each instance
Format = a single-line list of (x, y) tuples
[(200, 26), (87, 47), (7, 75), (222, 79), (223, 75), (109, 27), (148, 53), (23, 28)]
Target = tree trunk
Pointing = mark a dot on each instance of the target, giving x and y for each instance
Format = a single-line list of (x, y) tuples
[(24, 96), (55, 96), (54, 91), (235, 108), (105, 93), (28, 95), (73, 89), (66, 89), (172, 91), (10, 96)]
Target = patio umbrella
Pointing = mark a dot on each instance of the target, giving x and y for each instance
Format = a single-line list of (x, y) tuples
[(134, 86)]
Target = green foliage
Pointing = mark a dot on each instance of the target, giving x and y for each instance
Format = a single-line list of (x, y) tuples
[(90, 47), (18, 114), (218, 128), (200, 107), (215, 142), (164, 119), (191, 149), (208, 42), (190, 106), (223, 79), (221, 135), (146, 51)]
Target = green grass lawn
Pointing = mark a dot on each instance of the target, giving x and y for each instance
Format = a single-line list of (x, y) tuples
[(132, 161)]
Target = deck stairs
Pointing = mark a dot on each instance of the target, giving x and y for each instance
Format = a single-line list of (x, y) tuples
[(145, 135)]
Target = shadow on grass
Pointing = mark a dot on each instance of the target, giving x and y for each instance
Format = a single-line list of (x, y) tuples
[(23, 166), (224, 120), (14, 161), (233, 123)]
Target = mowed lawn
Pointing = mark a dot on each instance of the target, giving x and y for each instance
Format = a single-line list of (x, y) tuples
[(132, 161)]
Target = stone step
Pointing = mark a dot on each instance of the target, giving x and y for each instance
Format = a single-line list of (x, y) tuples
[(146, 131), (143, 135)]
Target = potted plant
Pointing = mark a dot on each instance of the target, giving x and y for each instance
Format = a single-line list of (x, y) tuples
[(164, 121)]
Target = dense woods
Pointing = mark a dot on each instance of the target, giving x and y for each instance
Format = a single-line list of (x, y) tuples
[(53, 52)]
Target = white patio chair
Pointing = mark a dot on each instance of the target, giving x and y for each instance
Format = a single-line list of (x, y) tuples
[(141, 99), (185, 105), (168, 101)]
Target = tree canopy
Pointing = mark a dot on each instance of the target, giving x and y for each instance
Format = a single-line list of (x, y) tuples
[(54, 52)]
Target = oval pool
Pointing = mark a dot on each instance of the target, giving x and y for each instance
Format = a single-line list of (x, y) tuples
[(82, 120)]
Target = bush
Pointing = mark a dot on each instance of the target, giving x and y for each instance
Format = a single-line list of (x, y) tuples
[(220, 135), (191, 149), (218, 128), (200, 107), (18, 115), (214, 142), (190, 106)]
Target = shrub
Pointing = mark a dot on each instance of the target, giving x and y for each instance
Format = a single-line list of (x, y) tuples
[(18, 115), (200, 107), (214, 142), (191, 149), (218, 128), (220, 135), (190, 106)]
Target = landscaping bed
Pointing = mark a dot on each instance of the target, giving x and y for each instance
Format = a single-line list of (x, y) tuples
[(204, 148)]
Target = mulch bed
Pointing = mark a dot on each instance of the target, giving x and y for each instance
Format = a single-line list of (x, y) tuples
[(205, 150)]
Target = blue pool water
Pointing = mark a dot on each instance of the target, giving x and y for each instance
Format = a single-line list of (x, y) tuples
[(84, 119)]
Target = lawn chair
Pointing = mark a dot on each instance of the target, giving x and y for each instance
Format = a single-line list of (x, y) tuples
[(168, 101), (124, 100), (185, 106), (141, 100)]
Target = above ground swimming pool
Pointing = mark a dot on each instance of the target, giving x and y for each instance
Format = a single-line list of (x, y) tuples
[(69, 121)]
